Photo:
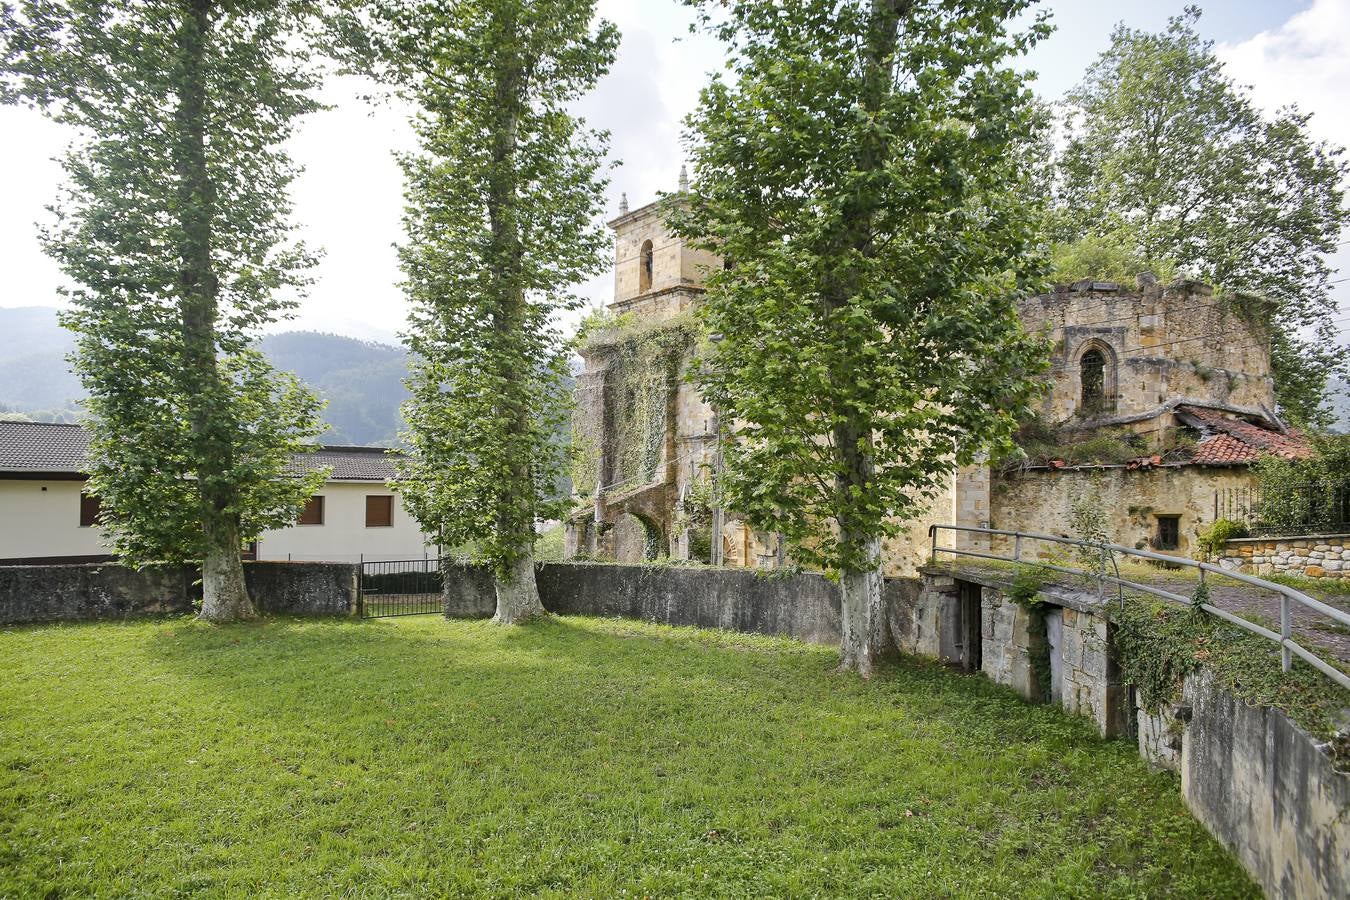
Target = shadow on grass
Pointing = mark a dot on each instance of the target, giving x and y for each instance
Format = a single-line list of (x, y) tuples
[(579, 756)]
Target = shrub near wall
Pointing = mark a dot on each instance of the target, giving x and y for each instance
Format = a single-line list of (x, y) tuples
[(1312, 556)]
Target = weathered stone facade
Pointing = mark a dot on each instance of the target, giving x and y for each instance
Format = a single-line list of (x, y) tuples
[(1150, 363), (1159, 344), (1312, 556), (1133, 501)]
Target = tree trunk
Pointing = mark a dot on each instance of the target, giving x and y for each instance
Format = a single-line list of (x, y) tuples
[(518, 598), (517, 595), (225, 597), (224, 594), (863, 638), (863, 621)]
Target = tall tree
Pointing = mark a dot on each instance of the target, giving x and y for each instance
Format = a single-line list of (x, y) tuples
[(1170, 161), (503, 198), (174, 230), (865, 176)]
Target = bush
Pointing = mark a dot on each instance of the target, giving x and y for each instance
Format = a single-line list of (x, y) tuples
[(1214, 536)]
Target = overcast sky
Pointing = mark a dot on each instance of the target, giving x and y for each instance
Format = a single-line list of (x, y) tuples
[(348, 200)]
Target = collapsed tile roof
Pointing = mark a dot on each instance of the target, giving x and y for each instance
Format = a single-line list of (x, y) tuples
[(40, 448), (1227, 440)]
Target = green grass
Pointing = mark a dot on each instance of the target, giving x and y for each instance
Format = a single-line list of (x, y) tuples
[(576, 757)]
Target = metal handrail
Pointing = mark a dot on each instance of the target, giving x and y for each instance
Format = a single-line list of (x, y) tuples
[(1288, 646)]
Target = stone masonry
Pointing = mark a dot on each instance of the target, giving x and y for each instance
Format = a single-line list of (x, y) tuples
[(1312, 556)]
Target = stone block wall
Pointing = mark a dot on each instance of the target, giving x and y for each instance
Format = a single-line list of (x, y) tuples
[(1008, 641), (1088, 679), (30, 594), (1131, 499), (1312, 556)]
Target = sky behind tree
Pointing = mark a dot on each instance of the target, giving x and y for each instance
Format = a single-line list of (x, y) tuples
[(349, 200)]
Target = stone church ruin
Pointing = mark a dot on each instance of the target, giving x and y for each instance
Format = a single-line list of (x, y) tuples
[(1158, 399)]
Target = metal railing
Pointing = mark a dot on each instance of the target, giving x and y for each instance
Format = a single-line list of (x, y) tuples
[(1288, 646), (1313, 507)]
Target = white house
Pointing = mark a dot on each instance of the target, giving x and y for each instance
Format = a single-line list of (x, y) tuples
[(45, 515)]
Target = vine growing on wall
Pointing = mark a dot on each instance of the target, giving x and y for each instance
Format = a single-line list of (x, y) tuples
[(644, 360)]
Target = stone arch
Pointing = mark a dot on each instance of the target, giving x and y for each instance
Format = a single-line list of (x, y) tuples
[(637, 538), (1097, 378), (645, 264)]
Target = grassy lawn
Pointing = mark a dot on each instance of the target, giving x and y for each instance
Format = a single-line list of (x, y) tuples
[(573, 757)]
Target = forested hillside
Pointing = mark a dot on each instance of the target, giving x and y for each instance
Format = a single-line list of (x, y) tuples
[(361, 380)]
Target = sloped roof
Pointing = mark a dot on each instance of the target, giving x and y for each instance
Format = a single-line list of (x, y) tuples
[(1228, 440), (347, 463), (31, 448), (42, 447)]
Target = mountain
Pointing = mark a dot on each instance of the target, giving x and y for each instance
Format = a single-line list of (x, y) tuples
[(361, 380), (1338, 401)]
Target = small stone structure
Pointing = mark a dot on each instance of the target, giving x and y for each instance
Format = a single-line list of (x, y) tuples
[(1312, 556)]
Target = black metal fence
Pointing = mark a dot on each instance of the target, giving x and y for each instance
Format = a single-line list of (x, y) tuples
[(401, 587), (1307, 508)]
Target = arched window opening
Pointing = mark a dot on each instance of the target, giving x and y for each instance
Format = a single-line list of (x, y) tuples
[(645, 272), (1092, 371)]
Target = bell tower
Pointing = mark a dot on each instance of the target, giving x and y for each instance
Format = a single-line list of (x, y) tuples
[(656, 274)]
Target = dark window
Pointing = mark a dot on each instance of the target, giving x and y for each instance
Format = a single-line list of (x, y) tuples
[(379, 511), (249, 552), (89, 510), (1092, 367), (1169, 533), (645, 273), (312, 514)]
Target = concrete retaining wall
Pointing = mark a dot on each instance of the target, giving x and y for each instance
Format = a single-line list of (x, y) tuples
[(1312, 556), (1255, 780), (800, 606), (70, 592), (110, 591)]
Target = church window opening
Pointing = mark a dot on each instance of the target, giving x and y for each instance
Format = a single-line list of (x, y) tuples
[(645, 272), (1092, 368)]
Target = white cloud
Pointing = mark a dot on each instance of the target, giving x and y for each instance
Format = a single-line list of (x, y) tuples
[(1306, 61)]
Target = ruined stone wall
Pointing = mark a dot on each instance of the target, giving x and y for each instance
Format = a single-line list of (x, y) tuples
[(1160, 343), (1041, 500), (1312, 556), (1258, 783)]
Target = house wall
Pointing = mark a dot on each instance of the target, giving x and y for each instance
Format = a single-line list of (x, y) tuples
[(40, 519), (1132, 500), (44, 524), (343, 536)]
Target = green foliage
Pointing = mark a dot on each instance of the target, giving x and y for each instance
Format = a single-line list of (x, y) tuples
[(1170, 165), (1038, 443), (865, 168), (1300, 496), (644, 360), (1026, 585), (174, 231), (502, 196), (1158, 644), (1156, 648), (676, 762), (1087, 521), (549, 546), (1103, 257), (1215, 536)]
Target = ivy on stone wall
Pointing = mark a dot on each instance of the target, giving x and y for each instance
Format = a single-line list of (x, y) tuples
[(644, 363)]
